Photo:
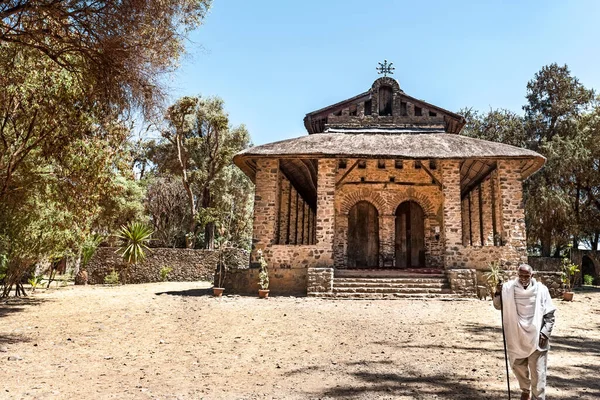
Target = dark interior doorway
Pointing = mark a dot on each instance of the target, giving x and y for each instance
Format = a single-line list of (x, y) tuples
[(587, 268), (363, 236), (410, 235)]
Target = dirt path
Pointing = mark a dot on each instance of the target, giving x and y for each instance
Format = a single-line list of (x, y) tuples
[(174, 341)]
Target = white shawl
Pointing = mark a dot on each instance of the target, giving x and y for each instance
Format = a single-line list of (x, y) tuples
[(522, 334)]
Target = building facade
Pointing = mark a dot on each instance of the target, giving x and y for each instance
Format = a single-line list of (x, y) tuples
[(384, 181)]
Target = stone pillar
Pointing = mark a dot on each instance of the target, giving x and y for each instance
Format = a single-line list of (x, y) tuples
[(466, 216), (475, 220), (513, 210), (452, 228), (486, 212), (266, 199), (284, 210), (387, 237), (293, 215), (325, 223), (496, 209), (340, 241), (306, 214)]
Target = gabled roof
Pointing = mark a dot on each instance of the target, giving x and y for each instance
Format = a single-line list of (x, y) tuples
[(344, 114)]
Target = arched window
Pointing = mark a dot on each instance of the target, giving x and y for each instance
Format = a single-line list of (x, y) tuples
[(385, 100)]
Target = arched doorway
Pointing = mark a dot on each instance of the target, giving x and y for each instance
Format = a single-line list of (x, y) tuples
[(410, 235), (588, 268), (363, 236)]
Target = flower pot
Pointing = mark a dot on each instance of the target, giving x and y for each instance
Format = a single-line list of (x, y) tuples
[(218, 291), (263, 293), (567, 296)]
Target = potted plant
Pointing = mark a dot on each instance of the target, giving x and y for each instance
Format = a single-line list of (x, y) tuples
[(568, 278), (492, 277), (221, 269), (263, 277)]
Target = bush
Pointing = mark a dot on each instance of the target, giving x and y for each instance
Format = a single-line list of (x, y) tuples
[(164, 272), (588, 280), (112, 278)]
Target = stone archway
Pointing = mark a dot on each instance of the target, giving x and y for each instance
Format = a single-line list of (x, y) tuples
[(363, 236)]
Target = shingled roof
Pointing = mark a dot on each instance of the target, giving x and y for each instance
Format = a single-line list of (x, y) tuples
[(388, 145)]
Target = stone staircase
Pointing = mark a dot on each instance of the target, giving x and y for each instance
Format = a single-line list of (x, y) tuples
[(392, 284)]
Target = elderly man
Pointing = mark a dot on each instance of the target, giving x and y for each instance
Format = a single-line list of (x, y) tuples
[(528, 321)]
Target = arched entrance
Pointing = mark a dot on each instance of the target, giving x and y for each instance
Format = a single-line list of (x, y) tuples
[(363, 236), (588, 268), (410, 235)]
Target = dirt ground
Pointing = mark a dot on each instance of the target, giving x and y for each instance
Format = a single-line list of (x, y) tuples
[(175, 341)]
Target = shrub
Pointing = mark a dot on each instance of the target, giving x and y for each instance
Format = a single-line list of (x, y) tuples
[(588, 280), (164, 272), (112, 278)]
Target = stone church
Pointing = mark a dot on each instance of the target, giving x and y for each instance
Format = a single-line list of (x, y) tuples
[(384, 187)]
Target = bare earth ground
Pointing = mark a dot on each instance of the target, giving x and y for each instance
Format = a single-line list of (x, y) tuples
[(175, 341)]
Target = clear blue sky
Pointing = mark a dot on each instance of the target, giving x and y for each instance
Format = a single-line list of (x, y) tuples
[(274, 61)]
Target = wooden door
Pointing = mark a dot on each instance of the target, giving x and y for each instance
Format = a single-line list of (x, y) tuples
[(363, 236), (410, 235)]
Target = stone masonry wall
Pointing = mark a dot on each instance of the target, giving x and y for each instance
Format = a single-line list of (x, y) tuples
[(385, 186), (187, 264)]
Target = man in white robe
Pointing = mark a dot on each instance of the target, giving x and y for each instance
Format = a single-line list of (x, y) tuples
[(528, 321)]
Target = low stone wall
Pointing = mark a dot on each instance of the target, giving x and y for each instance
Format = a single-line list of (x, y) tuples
[(552, 264), (462, 281), (282, 281), (187, 264), (320, 280), (552, 281)]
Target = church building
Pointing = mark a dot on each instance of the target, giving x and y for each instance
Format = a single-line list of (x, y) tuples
[(384, 189)]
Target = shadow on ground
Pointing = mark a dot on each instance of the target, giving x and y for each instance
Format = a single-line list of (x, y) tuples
[(189, 292), (13, 305), (369, 384)]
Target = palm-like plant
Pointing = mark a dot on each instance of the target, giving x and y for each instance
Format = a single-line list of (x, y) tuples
[(134, 241)]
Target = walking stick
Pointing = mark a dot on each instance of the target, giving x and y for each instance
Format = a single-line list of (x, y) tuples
[(504, 340)]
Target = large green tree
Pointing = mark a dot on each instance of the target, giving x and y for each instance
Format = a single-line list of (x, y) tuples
[(561, 122), (199, 147), (71, 73)]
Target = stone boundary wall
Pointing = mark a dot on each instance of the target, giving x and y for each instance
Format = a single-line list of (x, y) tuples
[(552, 264), (187, 264), (282, 281)]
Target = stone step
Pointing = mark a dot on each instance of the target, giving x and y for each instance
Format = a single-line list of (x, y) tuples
[(391, 296), (390, 280), (375, 289), (379, 275), (425, 285)]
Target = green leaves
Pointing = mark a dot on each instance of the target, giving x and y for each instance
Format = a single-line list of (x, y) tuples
[(134, 241)]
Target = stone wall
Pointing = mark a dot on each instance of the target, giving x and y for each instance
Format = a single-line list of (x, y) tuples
[(282, 281), (320, 280), (187, 264), (386, 185)]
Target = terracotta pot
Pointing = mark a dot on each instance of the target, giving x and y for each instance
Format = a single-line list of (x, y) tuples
[(218, 291), (568, 296), (263, 293)]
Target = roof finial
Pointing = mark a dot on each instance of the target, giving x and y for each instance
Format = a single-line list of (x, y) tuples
[(385, 68)]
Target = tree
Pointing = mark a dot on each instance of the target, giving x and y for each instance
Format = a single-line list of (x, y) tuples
[(197, 131), (562, 122), (117, 50), (556, 103)]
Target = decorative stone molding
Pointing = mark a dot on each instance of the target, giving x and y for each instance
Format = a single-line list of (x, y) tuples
[(363, 194), (411, 195)]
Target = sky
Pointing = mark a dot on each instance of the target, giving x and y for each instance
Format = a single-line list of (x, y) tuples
[(272, 62)]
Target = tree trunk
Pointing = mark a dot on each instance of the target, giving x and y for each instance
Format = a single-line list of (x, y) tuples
[(209, 229), (546, 240)]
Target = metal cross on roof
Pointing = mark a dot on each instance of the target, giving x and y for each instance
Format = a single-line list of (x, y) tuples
[(385, 68)]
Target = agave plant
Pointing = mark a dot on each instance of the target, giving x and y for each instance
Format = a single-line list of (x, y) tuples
[(134, 241)]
